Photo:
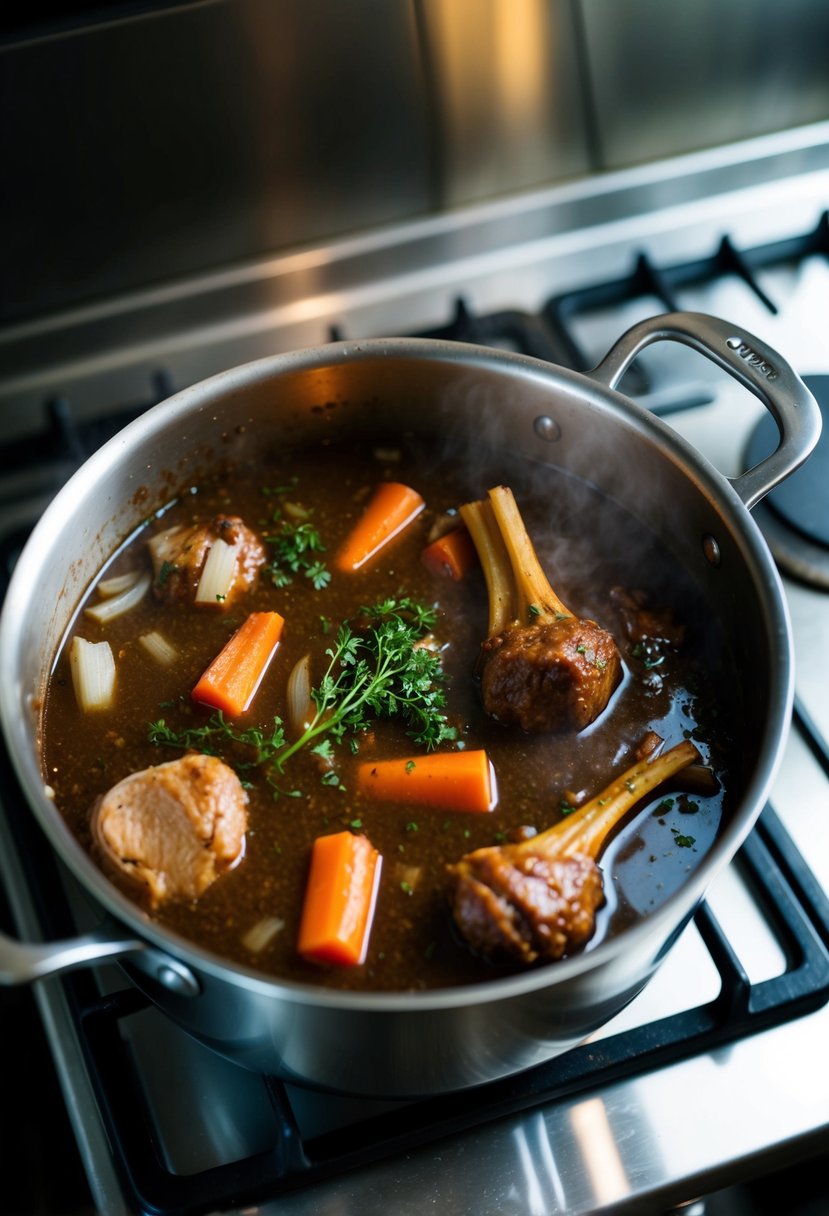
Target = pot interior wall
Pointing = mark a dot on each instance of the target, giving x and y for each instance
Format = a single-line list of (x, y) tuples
[(545, 414)]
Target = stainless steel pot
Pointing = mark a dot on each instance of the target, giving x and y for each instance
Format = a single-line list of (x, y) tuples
[(424, 1042)]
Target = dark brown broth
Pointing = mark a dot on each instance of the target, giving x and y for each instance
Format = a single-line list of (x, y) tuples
[(586, 543)]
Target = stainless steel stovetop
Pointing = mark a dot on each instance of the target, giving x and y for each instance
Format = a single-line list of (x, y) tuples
[(631, 1121)]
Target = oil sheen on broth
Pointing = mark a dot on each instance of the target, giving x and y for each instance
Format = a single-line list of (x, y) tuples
[(587, 545)]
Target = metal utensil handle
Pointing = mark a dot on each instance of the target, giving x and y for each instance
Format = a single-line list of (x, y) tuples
[(23, 962), (755, 365)]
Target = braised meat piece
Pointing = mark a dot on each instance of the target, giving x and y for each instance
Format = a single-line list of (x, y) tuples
[(207, 563), (551, 677), (641, 622), (542, 667), (531, 909), (536, 901), (171, 830)]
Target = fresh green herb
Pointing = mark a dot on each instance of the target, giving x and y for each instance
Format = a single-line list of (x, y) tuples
[(412, 827), (533, 610), (410, 766), (217, 734), (683, 842), (648, 651), (165, 570), (376, 671), (565, 808), (248, 749), (296, 547), (406, 888)]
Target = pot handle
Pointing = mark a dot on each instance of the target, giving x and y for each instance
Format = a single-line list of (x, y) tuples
[(25, 962), (757, 366)]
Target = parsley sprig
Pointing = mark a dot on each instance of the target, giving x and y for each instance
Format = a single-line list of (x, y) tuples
[(377, 669), (296, 545)]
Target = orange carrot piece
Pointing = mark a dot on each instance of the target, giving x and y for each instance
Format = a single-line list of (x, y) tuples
[(339, 900), (452, 555), (389, 510), (458, 781), (231, 680)]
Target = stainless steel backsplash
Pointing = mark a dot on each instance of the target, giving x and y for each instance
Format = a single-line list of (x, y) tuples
[(148, 147)]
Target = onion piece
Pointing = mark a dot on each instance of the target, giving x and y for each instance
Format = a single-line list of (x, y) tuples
[(262, 933), (407, 876), (301, 707), (108, 587), (158, 648), (108, 610), (93, 673), (218, 573)]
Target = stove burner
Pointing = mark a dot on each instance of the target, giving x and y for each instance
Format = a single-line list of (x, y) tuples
[(794, 517)]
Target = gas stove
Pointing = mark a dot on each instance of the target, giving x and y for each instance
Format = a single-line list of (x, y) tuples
[(708, 1077)]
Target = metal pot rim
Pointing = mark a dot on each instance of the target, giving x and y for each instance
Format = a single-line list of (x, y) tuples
[(199, 397)]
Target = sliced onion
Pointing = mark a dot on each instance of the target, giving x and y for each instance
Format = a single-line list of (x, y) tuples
[(161, 545), (443, 523), (158, 648), (218, 573), (108, 610), (407, 876), (262, 933), (108, 587), (93, 673), (295, 512), (301, 707)]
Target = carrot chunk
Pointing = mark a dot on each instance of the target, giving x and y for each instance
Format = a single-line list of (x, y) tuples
[(231, 680), (391, 508), (452, 555), (458, 781), (339, 900)]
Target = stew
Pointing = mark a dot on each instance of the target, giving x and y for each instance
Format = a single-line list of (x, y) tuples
[(224, 720)]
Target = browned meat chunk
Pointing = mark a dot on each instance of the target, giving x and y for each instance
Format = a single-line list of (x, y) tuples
[(536, 900), (171, 830), (527, 909), (179, 555), (549, 677), (544, 668), (640, 622)]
